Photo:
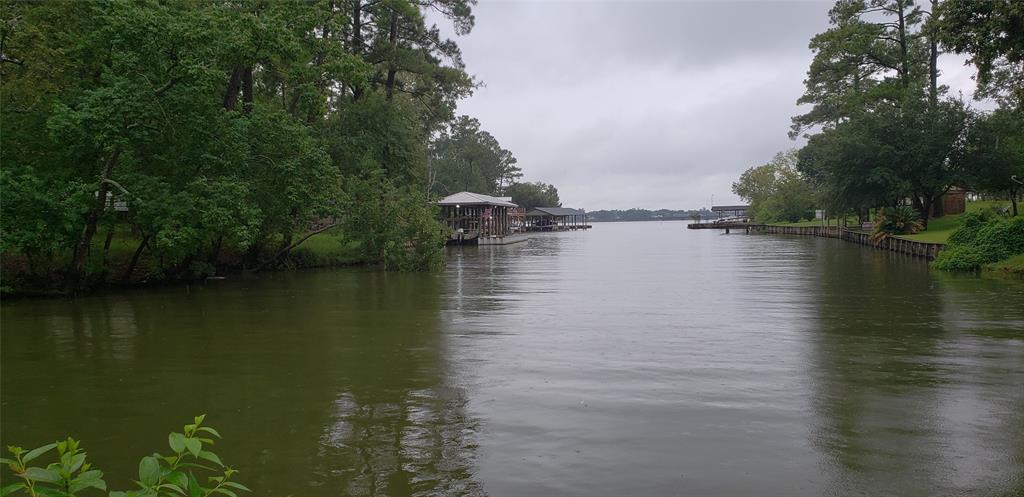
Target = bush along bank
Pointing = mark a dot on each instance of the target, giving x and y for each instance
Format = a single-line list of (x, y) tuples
[(985, 240)]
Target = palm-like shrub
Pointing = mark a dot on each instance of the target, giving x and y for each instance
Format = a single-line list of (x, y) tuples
[(900, 220)]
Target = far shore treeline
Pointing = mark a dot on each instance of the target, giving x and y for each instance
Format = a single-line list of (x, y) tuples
[(650, 215), (153, 141)]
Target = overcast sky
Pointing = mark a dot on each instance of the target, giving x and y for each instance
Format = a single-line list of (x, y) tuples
[(644, 104)]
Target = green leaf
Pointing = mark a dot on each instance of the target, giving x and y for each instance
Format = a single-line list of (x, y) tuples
[(178, 478), (199, 419), (211, 431), (194, 490), (197, 466), (149, 471), (89, 479), (49, 491), (4, 460), (225, 491), (40, 474), (210, 456), (194, 446), (76, 462), (118, 494), (94, 474), (177, 442), (237, 485), (34, 453), (170, 486), (9, 489)]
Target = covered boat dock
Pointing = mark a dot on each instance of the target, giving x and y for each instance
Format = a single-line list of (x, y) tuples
[(556, 219), (478, 219)]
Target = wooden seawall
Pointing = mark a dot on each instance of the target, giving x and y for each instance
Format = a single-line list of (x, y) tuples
[(892, 244)]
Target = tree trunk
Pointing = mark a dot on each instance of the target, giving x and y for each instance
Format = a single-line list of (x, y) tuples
[(135, 259), (933, 62), (288, 248), (78, 258), (1013, 200), (247, 91), (904, 58), (106, 243), (926, 209), (393, 42), (234, 84), (357, 40), (215, 251)]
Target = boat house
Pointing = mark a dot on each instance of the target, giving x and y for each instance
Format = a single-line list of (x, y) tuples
[(731, 210), (478, 219), (556, 219)]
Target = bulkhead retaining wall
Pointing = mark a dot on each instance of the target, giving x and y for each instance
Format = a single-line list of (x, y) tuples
[(893, 244)]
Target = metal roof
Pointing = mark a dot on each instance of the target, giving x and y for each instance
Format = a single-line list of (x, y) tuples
[(555, 211), (720, 208), (470, 198)]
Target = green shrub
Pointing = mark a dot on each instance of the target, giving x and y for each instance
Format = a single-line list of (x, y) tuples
[(900, 220), (970, 224), (982, 240), (191, 470)]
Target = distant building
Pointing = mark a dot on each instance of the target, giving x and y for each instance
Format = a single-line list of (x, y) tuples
[(953, 201)]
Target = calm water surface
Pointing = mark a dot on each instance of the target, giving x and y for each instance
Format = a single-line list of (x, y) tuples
[(634, 359)]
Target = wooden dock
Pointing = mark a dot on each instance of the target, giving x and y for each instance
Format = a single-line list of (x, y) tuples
[(893, 244)]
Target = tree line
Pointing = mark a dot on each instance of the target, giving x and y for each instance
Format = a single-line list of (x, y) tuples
[(882, 130), (227, 132), (636, 214)]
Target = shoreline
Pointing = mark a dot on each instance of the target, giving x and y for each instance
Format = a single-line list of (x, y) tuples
[(914, 248)]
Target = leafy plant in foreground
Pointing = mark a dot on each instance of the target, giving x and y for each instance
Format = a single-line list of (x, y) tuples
[(191, 470)]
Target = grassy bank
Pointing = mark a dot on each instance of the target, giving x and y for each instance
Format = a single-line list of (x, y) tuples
[(110, 265), (1014, 266), (851, 222), (940, 228)]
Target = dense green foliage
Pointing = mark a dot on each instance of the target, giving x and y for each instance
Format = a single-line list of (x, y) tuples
[(776, 190), (466, 158), (881, 129), (991, 32), (191, 469), (995, 146), (205, 135), (534, 194), (983, 238)]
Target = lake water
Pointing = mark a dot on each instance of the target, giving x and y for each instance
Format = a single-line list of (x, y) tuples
[(632, 359)]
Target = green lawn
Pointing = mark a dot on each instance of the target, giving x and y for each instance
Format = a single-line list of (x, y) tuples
[(851, 221), (940, 228)]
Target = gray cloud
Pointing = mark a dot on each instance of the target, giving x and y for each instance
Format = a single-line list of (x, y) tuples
[(643, 104)]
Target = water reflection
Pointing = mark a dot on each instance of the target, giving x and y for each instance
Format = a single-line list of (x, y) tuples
[(327, 383), (632, 359), (906, 394)]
